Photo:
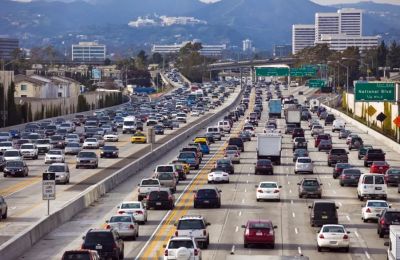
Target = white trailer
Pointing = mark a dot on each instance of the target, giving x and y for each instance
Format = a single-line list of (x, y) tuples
[(269, 146), (293, 116), (393, 252)]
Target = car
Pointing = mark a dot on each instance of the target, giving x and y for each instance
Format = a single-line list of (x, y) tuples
[(337, 155), (316, 130), (5, 136), (16, 168), (323, 212), (5, 146), (372, 208), (125, 225), (57, 141), (325, 145), (109, 151), (191, 158), (289, 128), (333, 236), (3, 208), (54, 155), (245, 136), (337, 125), (194, 226), (299, 152), (106, 242), (225, 165), (87, 159), (111, 137), (249, 128), (91, 143), (264, 166), (29, 150), (268, 190), (61, 171), (355, 143), (372, 155), (18, 143), (182, 248), (161, 198), (349, 177), (344, 133), (304, 164), (260, 232), (379, 167), (207, 196), (72, 148), (363, 150), (337, 170), (12, 155), (234, 156), (392, 176), (138, 137), (387, 218), (329, 119), (309, 187), (167, 175), (218, 176), (215, 131), (43, 145), (158, 130), (371, 185), (348, 139), (320, 137), (299, 142), (297, 132), (72, 138), (80, 254), (238, 142), (135, 208)]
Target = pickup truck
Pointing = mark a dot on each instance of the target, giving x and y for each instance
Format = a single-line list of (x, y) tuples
[(373, 155), (146, 186), (337, 155)]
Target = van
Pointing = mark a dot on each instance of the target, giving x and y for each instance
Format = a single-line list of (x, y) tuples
[(323, 212), (338, 125), (215, 131), (167, 180), (371, 185), (224, 126)]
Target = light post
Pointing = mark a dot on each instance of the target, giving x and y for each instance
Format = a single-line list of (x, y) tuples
[(3, 65), (363, 63)]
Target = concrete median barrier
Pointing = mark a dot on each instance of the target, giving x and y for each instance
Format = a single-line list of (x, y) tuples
[(16, 246)]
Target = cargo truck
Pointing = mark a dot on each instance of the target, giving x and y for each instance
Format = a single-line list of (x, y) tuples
[(275, 108), (293, 116), (393, 252), (269, 146)]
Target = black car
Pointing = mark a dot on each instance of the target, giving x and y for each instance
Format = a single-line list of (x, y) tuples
[(158, 130), (168, 124), (289, 128), (238, 142), (245, 136), (15, 168), (363, 150), (160, 199), (2, 163), (349, 177), (109, 151), (264, 166), (323, 212), (139, 125), (392, 176), (387, 218), (209, 197), (106, 242), (225, 165), (297, 132), (329, 119)]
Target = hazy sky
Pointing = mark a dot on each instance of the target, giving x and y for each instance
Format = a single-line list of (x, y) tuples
[(329, 2)]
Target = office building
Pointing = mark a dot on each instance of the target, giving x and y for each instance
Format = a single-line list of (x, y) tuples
[(340, 42), (303, 35), (247, 45), (326, 23), (88, 51), (350, 21), (282, 51), (207, 49), (7, 47)]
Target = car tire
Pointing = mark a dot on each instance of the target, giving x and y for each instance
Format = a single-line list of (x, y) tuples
[(258, 200), (361, 198), (329, 164), (346, 249), (4, 216), (319, 248), (381, 234), (341, 184), (5, 175), (245, 245)]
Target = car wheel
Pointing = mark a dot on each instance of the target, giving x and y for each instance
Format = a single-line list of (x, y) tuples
[(319, 248), (258, 200), (381, 234), (329, 164), (5, 175), (341, 184), (246, 245), (361, 198)]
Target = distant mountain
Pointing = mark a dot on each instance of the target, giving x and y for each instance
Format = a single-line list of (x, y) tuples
[(266, 22)]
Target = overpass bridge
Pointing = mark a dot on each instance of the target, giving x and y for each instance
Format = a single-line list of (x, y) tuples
[(246, 64)]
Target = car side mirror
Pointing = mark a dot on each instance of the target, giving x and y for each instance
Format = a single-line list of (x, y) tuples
[(220, 190), (164, 246), (243, 226), (298, 183), (280, 186), (337, 207), (83, 237), (107, 221), (310, 207), (321, 184), (386, 243), (348, 152), (275, 227), (208, 224), (348, 232), (390, 206)]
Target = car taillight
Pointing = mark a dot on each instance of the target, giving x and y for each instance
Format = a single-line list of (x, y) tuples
[(108, 227), (276, 191), (321, 236), (139, 212), (345, 237), (176, 233), (204, 232), (382, 222), (247, 233), (259, 191), (196, 252), (166, 252), (368, 210), (131, 226), (121, 212)]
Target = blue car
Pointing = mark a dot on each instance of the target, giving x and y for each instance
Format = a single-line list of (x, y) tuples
[(204, 148), (15, 134)]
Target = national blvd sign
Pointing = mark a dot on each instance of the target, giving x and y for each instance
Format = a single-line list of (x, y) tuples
[(375, 92)]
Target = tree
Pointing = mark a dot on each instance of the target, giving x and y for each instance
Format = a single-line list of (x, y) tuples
[(14, 117), (141, 60), (393, 56), (107, 62), (157, 58), (381, 55)]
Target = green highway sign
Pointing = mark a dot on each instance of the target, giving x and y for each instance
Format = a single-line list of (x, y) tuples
[(316, 83), (310, 66), (375, 92), (303, 72), (272, 72)]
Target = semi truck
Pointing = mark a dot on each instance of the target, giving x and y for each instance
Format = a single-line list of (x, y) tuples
[(293, 116), (393, 252), (269, 146), (275, 108)]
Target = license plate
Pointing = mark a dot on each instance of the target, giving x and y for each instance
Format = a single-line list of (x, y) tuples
[(324, 217), (158, 203), (217, 179), (206, 201), (99, 247), (378, 188), (259, 234), (352, 177), (380, 168), (332, 242)]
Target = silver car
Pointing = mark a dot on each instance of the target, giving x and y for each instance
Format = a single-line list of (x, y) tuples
[(87, 159), (304, 164), (125, 225), (61, 171), (72, 148)]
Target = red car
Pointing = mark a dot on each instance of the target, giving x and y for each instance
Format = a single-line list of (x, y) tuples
[(260, 232), (379, 167)]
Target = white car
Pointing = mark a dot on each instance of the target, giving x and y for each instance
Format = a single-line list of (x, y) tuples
[(268, 190), (111, 137), (100, 140), (304, 164), (72, 138), (43, 145), (249, 128), (233, 155), (182, 248), (317, 129), (54, 156), (29, 151), (4, 146), (61, 171), (193, 226), (70, 127), (333, 236), (195, 113), (12, 155), (91, 143), (134, 208), (125, 225), (373, 208), (218, 176)]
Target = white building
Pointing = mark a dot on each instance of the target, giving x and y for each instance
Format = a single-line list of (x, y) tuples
[(207, 49), (247, 45), (340, 42), (326, 23), (350, 21), (88, 51), (303, 35)]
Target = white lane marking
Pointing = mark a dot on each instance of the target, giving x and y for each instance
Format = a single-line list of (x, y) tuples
[(356, 233), (367, 255), (290, 191), (291, 201), (248, 174), (240, 213), (340, 203), (288, 182), (296, 231), (247, 181), (237, 229), (329, 183), (348, 217), (242, 200), (299, 250), (245, 190), (293, 215), (233, 250), (12, 208), (287, 174), (334, 191)]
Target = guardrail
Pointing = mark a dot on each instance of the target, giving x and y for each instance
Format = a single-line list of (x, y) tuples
[(13, 248)]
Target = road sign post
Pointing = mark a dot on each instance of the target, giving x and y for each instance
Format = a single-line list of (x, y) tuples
[(49, 188), (375, 92)]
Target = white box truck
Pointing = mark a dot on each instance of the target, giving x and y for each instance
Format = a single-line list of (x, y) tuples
[(393, 252), (293, 116), (269, 146)]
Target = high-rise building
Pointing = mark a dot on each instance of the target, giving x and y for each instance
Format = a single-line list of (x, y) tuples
[(340, 42), (282, 51), (247, 45), (88, 51), (206, 50), (326, 23), (7, 47), (350, 21), (303, 35)]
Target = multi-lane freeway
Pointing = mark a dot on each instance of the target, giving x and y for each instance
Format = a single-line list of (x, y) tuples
[(294, 234)]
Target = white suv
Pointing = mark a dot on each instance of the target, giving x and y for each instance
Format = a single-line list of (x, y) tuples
[(182, 248), (29, 151), (193, 226), (224, 126)]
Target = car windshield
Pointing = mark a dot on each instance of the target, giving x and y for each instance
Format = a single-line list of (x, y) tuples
[(120, 219), (87, 155), (268, 185), (343, 165), (377, 204), (380, 163), (393, 216), (325, 206), (190, 224), (165, 176), (259, 225), (91, 140), (150, 182), (175, 244), (11, 153), (186, 155), (206, 193), (103, 238), (73, 145), (27, 146), (6, 144), (304, 160), (56, 138), (5, 134), (110, 148), (43, 141), (56, 168), (333, 229), (165, 168), (352, 172), (14, 164), (394, 171), (139, 134), (130, 206), (76, 255), (310, 183), (129, 123), (55, 152), (72, 136)]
